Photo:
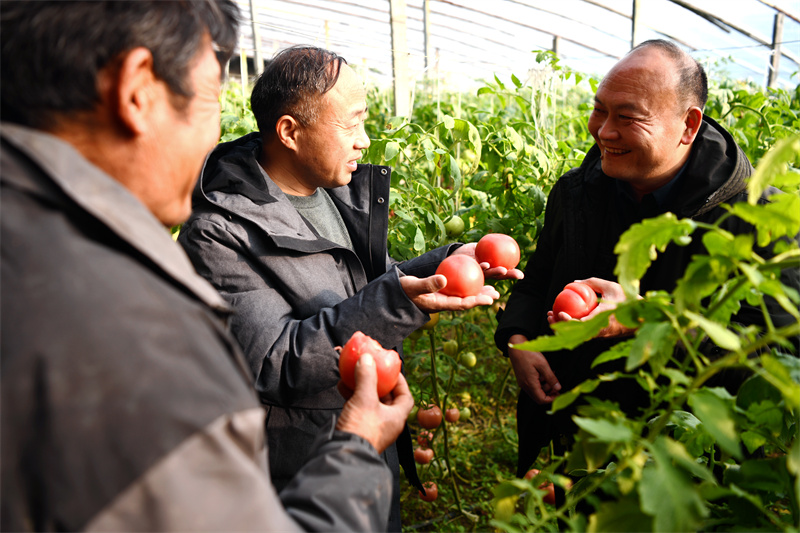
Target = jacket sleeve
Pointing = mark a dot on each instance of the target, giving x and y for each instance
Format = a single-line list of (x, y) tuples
[(291, 349), (426, 264), (344, 486), (218, 480)]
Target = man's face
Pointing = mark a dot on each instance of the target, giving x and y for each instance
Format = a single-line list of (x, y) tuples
[(328, 150), (637, 121), (183, 138)]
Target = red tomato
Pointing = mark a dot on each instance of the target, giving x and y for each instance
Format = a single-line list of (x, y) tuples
[(464, 276), (452, 415), (430, 418), (577, 300), (550, 497), (425, 438), (497, 249), (423, 455), (387, 362), (431, 491)]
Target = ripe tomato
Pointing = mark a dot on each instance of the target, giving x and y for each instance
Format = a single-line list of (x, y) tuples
[(425, 438), (498, 249), (430, 418), (431, 491), (423, 455), (387, 362), (577, 300), (464, 276), (452, 414)]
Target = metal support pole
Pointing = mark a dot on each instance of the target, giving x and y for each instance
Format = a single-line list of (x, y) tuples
[(402, 95), (775, 58), (258, 57)]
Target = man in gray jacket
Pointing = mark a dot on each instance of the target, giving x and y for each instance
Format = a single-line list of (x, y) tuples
[(126, 404), (293, 232)]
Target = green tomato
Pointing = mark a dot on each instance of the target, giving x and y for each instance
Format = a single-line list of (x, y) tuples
[(412, 416), (430, 324), (454, 226), (450, 347), (465, 413), (468, 359)]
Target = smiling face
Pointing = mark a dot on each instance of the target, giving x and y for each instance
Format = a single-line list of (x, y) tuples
[(638, 122), (328, 150)]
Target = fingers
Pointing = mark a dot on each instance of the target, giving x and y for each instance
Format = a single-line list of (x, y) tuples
[(366, 378)]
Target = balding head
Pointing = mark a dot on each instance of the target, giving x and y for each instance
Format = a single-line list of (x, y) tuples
[(691, 84)]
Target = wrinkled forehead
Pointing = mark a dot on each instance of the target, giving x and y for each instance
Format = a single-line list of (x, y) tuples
[(646, 78)]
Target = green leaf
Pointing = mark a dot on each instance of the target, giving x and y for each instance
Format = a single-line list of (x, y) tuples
[(514, 137), (391, 150), (774, 163), (568, 335), (516, 81), (419, 241), (722, 337), (667, 494), (605, 430), (654, 341), (566, 398), (717, 419), (623, 515), (779, 218), (448, 122), (617, 351), (638, 245), (753, 440)]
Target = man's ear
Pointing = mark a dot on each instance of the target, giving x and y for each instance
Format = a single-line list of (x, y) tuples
[(288, 130), (133, 89), (692, 123)]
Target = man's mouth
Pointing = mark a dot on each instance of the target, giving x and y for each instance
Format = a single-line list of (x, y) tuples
[(614, 151)]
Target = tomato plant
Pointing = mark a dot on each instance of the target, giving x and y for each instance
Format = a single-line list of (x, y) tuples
[(387, 362), (499, 250), (450, 347), (577, 300), (464, 276), (431, 491), (423, 455), (430, 418)]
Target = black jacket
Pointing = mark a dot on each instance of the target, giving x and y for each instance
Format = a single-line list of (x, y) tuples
[(126, 404), (297, 295), (584, 219)]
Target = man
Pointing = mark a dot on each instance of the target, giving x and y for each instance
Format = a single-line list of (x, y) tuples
[(292, 231), (655, 152), (126, 404)]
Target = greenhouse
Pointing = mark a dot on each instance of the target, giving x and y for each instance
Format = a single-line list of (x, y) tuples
[(400, 265)]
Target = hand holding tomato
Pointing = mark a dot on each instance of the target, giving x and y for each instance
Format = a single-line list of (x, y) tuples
[(377, 420), (489, 271), (387, 362), (611, 294), (424, 292), (576, 301)]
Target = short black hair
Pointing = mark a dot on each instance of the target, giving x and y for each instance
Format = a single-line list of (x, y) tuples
[(52, 51), (692, 81), (293, 83)]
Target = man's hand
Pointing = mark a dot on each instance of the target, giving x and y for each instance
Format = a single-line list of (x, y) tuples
[(424, 293), (611, 294), (533, 373), (378, 420), (491, 273)]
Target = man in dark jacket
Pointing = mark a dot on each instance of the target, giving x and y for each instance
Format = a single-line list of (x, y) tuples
[(126, 404), (655, 152), (293, 232)]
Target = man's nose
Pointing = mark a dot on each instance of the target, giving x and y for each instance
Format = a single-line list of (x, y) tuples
[(362, 141)]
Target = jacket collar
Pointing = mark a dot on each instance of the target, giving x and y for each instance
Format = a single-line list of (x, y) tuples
[(232, 181), (110, 203), (715, 171)]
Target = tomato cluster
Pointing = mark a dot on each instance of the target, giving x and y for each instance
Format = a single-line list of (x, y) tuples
[(387, 362)]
